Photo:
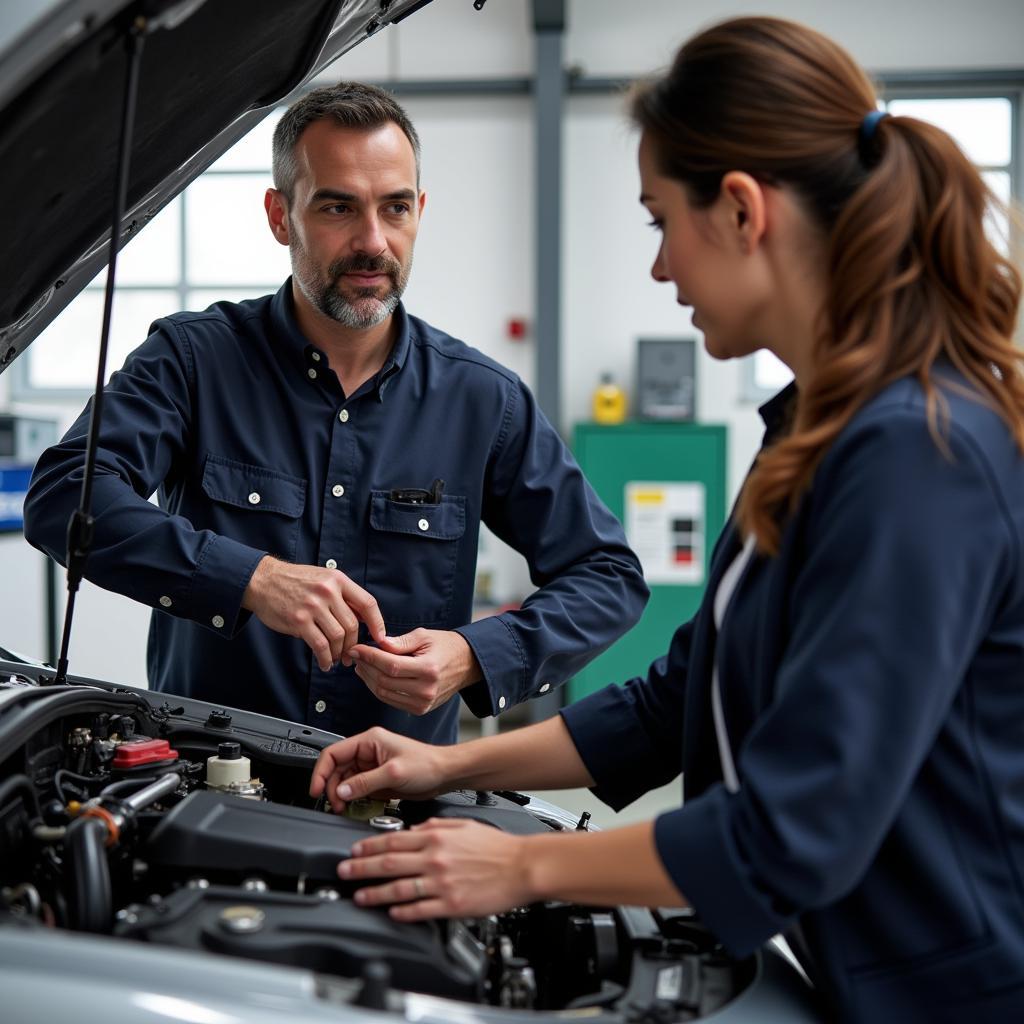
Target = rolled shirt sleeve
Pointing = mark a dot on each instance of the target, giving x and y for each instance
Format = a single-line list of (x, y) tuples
[(628, 736)]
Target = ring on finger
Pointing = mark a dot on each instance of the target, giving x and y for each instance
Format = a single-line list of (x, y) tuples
[(417, 886), (400, 693)]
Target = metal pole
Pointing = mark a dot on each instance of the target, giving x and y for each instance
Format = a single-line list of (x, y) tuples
[(549, 100)]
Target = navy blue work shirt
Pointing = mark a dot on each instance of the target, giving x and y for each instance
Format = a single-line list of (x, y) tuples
[(243, 430), (871, 681)]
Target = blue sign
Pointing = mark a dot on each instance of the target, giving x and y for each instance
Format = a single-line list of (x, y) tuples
[(13, 487)]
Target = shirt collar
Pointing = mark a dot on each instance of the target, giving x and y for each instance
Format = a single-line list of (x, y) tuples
[(777, 412), (399, 351), (307, 355)]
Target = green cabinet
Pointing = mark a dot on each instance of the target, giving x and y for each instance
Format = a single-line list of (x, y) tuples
[(666, 483)]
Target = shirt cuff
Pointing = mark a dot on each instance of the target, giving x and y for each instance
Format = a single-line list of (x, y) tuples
[(697, 849), (502, 662), (218, 585)]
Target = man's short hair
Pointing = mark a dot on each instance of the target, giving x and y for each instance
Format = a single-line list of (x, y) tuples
[(351, 105)]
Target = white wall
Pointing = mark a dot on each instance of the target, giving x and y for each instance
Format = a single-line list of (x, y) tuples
[(474, 259)]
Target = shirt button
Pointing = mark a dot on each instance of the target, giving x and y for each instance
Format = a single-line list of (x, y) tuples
[(218, 621), (321, 706), (315, 356), (165, 601), (312, 373), (343, 415), (254, 498), (545, 688), (501, 702), (337, 490), (423, 524), (331, 563)]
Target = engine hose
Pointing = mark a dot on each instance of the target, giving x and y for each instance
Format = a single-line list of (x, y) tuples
[(22, 784), (88, 893)]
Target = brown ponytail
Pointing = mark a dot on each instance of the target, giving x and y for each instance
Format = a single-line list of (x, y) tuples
[(912, 276)]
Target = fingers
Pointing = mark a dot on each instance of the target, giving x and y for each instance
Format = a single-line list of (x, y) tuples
[(393, 665), (349, 759), (407, 694), (409, 869), (405, 644), (384, 865), (332, 759), (422, 878), (408, 683), (321, 606), (366, 607), (379, 781)]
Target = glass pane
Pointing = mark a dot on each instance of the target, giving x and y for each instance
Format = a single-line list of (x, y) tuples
[(154, 255), (997, 219), (252, 151), (981, 127), (227, 237), (65, 354), (770, 372), (201, 298)]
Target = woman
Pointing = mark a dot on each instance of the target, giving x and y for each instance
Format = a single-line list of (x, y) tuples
[(850, 732)]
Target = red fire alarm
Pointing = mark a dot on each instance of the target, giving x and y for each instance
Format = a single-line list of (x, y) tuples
[(516, 328)]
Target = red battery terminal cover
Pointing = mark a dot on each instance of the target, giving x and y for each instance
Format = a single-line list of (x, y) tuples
[(135, 753)]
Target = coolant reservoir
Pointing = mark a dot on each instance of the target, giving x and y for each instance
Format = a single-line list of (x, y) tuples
[(227, 766)]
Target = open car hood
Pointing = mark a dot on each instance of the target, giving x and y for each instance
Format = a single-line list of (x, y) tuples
[(211, 70)]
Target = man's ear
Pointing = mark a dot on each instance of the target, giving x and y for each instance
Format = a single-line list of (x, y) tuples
[(276, 205), (744, 209), (421, 202)]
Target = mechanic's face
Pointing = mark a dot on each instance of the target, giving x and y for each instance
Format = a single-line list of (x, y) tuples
[(352, 222)]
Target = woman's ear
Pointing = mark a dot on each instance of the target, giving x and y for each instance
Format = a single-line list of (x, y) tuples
[(744, 209)]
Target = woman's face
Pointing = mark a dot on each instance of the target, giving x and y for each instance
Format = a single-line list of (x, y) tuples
[(702, 252)]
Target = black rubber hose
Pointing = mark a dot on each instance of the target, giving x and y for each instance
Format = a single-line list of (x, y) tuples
[(88, 876), (22, 784)]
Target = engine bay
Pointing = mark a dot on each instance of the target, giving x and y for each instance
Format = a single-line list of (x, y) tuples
[(126, 815)]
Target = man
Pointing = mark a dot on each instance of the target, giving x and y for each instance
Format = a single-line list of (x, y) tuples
[(323, 462)]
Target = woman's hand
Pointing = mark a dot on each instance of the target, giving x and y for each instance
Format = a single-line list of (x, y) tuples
[(377, 763), (445, 867)]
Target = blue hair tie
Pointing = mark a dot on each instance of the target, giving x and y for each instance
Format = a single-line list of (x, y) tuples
[(868, 127)]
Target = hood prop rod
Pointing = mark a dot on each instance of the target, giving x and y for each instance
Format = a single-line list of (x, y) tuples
[(81, 526)]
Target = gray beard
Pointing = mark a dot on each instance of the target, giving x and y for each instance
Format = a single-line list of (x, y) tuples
[(367, 311)]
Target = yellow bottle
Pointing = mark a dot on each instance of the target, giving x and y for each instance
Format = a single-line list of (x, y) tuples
[(609, 401)]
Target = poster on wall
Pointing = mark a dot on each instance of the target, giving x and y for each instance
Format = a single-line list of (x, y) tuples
[(665, 527)]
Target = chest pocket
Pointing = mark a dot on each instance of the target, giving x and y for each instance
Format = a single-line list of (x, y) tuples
[(411, 558), (255, 506)]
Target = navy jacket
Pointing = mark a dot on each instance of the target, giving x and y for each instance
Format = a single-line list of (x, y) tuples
[(243, 430), (873, 689)]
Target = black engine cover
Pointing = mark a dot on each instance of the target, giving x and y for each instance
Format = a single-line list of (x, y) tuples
[(328, 936), (226, 837)]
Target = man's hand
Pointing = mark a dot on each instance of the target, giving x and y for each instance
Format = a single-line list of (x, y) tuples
[(417, 671), (322, 607), (380, 764)]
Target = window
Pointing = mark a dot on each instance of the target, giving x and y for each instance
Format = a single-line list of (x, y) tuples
[(208, 244), (986, 123)]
